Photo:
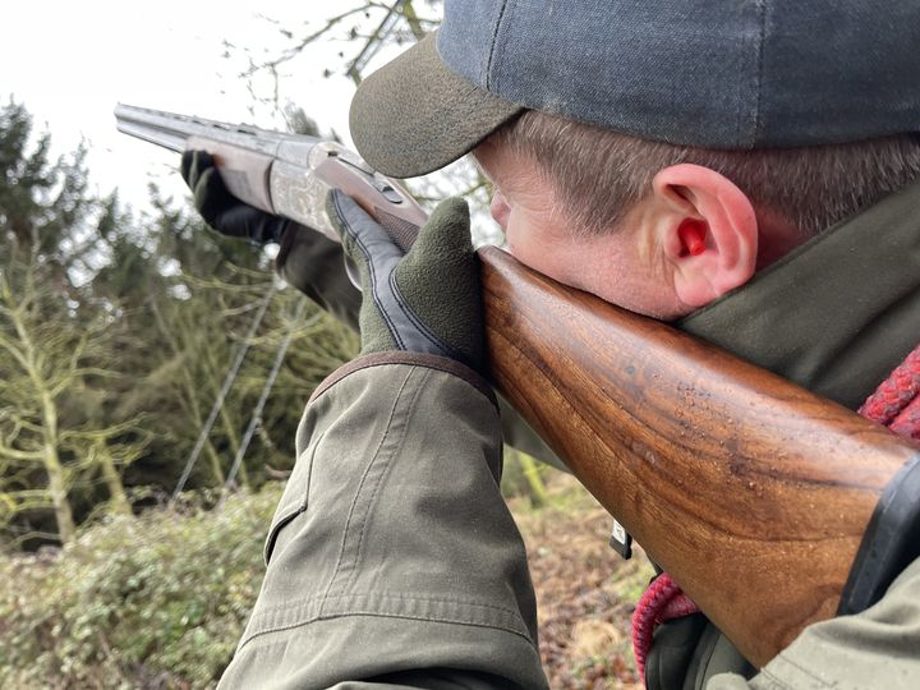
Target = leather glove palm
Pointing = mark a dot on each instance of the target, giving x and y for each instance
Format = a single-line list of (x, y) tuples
[(427, 300)]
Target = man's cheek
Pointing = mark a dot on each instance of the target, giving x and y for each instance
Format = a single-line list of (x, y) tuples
[(529, 251)]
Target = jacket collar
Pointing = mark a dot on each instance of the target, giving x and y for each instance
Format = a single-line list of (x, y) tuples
[(838, 313)]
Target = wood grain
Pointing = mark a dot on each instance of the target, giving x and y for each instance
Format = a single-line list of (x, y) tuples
[(751, 492)]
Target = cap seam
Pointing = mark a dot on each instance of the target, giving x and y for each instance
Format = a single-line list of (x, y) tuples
[(498, 23), (758, 88)]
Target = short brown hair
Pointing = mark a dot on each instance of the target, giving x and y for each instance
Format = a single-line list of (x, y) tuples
[(600, 174)]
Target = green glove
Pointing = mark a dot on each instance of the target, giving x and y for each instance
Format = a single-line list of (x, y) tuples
[(427, 300), (223, 211)]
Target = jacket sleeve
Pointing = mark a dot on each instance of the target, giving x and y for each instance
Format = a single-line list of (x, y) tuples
[(392, 559), (878, 648), (315, 265)]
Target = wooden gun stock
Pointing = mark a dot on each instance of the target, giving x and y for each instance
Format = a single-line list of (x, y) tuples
[(753, 493)]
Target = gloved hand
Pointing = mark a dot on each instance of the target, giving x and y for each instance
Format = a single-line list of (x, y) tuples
[(427, 300), (220, 209), (308, 260)]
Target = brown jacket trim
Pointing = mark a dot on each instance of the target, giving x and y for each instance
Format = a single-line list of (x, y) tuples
[(417, 359)]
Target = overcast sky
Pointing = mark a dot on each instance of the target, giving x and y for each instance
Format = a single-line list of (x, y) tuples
[(71, 62)]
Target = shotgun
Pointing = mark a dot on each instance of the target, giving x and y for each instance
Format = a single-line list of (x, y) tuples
[(771, 507)]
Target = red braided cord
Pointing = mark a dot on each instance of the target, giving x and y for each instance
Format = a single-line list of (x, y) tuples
[(895, 403), (907, 423), (894, 393), (662, 601)]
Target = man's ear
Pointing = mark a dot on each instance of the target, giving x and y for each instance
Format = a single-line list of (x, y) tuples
[(707, 231)]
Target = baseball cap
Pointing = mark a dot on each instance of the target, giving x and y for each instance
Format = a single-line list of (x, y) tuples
[(708, 73)]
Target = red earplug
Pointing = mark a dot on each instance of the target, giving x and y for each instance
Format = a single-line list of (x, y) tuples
[(692, 235)]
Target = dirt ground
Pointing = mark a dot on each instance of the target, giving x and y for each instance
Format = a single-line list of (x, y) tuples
[(586, 592)]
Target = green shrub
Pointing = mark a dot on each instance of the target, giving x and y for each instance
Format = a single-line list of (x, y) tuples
[(155, 601)]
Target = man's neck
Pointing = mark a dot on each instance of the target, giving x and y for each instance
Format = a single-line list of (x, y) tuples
[(776, 237)]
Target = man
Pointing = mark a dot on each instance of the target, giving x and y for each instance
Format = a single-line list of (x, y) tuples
[(746, 170)]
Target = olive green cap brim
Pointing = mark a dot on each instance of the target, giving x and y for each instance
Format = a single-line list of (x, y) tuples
[(414, 115)]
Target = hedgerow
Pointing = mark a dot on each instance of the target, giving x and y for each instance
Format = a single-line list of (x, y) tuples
[(156, 601)]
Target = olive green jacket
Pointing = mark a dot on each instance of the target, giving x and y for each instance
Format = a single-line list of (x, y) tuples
[(393, 562)]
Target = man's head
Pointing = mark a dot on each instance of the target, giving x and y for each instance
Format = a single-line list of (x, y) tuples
[(657, 153), (579, 202)]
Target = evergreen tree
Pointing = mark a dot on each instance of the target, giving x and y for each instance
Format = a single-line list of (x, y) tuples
[(42, 207)]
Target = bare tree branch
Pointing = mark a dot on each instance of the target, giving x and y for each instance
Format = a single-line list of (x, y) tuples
[(14, 454), (293, 51)]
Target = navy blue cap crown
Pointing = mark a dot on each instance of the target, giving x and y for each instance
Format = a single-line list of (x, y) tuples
[(713, 73)]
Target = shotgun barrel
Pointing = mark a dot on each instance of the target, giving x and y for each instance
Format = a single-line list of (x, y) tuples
[(284, 174)]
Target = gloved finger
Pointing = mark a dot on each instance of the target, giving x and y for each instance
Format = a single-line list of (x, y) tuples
[(213, 200), (365, 241), (439, 278), (445, 238), (243, 220), (194, 163), (443, 248)]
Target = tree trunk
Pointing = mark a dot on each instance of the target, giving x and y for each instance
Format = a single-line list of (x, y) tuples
[(531, 472), (230, 428), (57, 480), (213, 457), (118, 499), (57, 488)]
